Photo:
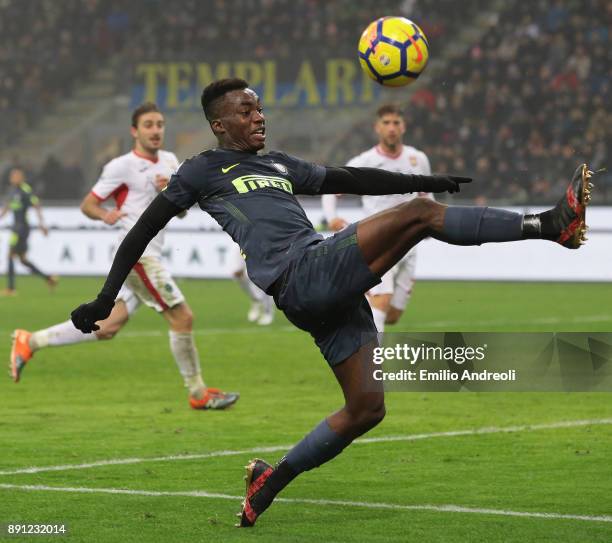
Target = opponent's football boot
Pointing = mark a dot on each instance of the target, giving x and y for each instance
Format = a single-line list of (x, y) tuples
[(569, 215), (20, 352), (257, 472), (214, 399)]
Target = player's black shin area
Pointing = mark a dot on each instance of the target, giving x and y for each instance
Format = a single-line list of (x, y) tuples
[(318, 447), (475, 225), (34, 269), (11, 274)]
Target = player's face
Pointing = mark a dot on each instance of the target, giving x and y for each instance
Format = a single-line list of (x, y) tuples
[(241, 124), (390, 129), (16, 177), (149, 134)]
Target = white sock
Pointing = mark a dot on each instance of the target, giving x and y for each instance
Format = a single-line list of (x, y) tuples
[(379, 319), (61, 334), (268, 303), (186, 357)]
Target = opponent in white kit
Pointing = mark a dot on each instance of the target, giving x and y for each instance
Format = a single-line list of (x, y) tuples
[(132, 181), (262, 305), (389, 298)]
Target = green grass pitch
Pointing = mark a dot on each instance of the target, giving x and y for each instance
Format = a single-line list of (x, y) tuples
[(124, 399)]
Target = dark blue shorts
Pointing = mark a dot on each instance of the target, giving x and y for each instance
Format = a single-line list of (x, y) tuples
[(322, 292), (18, 240)]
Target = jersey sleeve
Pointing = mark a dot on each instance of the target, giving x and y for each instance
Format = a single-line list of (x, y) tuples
[(112, 177), (425, 165), (182, 189), (306, 177)]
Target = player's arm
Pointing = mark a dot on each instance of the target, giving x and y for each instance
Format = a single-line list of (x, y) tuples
[(4, 210), (92, 207), (154, 218), (372, 181), (39, 214)]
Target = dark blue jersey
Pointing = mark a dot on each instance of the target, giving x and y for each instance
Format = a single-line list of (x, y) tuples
[(21, 199), (252, 197)]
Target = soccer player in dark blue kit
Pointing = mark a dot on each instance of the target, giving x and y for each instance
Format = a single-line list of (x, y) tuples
[(20, 199), (318, 283)]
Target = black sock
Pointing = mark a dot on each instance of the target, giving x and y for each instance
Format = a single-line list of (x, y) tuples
[(548, 229), (34, 269), (11, 274), (319, 446), (465, 225), (282, 475)]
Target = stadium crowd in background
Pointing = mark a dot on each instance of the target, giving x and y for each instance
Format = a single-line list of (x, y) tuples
[(47, 48), (518, 122), (277, 28), (496, 110)]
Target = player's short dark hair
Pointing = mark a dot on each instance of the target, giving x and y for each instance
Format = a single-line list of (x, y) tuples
[(388, 109), (146, 107), (216, 90)]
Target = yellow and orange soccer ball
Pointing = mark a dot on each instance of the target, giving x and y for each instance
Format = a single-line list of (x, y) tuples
[(393, 51)]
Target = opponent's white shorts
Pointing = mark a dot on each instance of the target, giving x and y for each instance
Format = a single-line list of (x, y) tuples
[(151, 284), (131, 301), (398, 281), (237, 262)]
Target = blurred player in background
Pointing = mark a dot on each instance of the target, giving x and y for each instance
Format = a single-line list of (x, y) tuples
[(262, 305), (389, 298), (133, 180), (20, 199)]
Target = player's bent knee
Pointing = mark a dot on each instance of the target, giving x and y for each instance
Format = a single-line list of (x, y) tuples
[(374, 416), (182, 318), (422, 209), (369, 416)]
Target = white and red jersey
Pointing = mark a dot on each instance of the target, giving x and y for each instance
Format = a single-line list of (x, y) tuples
[(131, 181), (408, 160)]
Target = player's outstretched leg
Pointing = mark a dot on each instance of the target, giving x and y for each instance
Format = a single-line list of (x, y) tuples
[(51, 280), (10, 276), (364, 408), (20, 353), (385, 237), (26, 344)]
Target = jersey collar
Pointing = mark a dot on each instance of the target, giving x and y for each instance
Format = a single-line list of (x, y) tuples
[(140, 155), (382, 152)]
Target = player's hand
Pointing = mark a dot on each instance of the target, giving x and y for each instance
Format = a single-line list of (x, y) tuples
[(161, 182), (337, 224), (445, 183), (113, 215), (85, 316), (44, 230)]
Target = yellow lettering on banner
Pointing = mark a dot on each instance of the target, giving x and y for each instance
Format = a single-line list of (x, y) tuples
[(179, 79), (249, 71), (340, 74), (206, 75), (304, 82), (269, 83), (149, 72), (367, 88)]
